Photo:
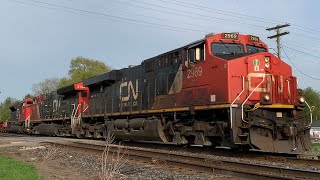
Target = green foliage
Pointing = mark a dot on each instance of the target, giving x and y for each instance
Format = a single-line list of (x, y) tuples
[(13, 169), (4, 108), (83, 68), (28, 96), (313, 99), (65, 82), (45, 86)]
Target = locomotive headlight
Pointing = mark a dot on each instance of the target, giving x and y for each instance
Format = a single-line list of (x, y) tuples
[(301, 100), (266, 59), (267, 65), (267, 62), (266, 97)]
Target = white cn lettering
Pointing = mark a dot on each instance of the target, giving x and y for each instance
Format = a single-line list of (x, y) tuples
[(130, 90)]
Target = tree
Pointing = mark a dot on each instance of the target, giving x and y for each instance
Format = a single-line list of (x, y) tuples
[(28, 96), (4, 108), (83, 68), (313, 99), (65, 82), (45, 86)]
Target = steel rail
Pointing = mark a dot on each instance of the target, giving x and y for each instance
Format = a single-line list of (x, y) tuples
[(201, 163), (309, 160)]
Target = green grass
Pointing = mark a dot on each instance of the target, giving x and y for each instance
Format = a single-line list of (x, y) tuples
[(11, 169), (316, 146)]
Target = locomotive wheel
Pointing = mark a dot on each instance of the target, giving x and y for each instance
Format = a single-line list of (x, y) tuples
[(78, 134)]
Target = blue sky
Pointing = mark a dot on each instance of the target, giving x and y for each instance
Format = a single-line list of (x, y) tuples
[(38, 40)]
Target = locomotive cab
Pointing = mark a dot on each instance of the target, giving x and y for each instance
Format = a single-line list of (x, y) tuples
[(265, 106)]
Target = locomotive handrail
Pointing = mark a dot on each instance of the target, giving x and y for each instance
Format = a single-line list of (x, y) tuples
[(85, 109), (289, 91), (311, 108), (73, 116), (231, 105), (264, 75), (74, 107)]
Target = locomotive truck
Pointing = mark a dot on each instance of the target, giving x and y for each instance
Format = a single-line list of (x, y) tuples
[(223, 90)]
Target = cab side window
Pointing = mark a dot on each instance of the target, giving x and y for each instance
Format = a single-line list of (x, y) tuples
[(192, 55), (196, 53)]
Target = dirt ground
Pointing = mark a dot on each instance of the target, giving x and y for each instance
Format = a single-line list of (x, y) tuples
[(59, 163), (28, 150)]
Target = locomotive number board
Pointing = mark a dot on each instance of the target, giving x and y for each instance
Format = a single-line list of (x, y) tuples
[(254, 38), (230, 36)]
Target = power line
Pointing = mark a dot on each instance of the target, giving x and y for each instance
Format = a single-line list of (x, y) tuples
[(167, 12), (188, 13), (310, 37), (205, 17), (51, 8), (294, 43), (237, 15), (301, 52), (145, 23), (85, 13), (167, 27), (298, 68), (185, 14), (218, 11), (163, 26), (306, 28), (311, 60)]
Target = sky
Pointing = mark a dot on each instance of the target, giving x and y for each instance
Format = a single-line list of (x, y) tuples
[(38, 38)]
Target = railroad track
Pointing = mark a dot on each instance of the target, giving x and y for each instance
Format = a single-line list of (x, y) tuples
[(200, 163), (307, 160), (2, 134)]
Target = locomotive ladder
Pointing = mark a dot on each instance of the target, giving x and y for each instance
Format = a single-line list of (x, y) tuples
[(27, 123), (75, 120)]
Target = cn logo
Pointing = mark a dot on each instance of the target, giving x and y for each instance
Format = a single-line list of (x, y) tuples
[(131, 90)]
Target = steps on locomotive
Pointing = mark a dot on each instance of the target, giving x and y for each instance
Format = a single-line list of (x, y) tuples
[(243, 135)]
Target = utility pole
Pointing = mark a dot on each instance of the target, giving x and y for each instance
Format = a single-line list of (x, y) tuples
[(278, 35)]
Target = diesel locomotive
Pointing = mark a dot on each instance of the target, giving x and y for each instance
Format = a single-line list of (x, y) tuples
[(223, 90)]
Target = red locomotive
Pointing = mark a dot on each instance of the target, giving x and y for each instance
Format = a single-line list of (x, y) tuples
[(223, 90), (3, 126)]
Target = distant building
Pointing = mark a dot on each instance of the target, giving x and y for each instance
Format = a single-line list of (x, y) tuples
[(315, 130)]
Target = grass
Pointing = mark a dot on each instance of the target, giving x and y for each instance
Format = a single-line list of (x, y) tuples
[(11, 169), (316, 146)]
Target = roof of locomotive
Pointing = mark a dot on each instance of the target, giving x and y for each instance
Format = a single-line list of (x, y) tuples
[(109, 77), (211, 36), (114, 75), (194, 43), (71, 88), (65, 89)]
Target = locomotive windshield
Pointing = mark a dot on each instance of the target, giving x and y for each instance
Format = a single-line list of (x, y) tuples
[(254, 49), (227, 50)]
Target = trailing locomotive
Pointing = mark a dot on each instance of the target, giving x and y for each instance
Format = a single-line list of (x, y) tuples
[(223, 90), (3, 126)]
